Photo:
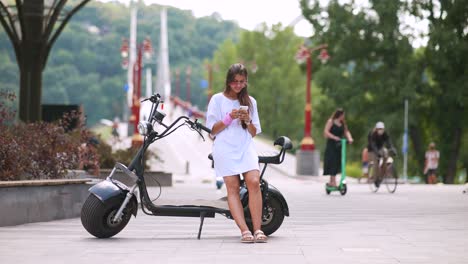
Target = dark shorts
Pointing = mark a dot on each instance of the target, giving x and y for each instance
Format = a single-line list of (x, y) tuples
[(431, 171)]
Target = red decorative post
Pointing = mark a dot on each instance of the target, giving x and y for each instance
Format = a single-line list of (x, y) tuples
[(304, 53), (307, 142), (143, 48), (137, 140), (308, 160), (124, 53)]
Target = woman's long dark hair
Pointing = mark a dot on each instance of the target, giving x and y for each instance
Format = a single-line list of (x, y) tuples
[(337, 114), (243, 96)]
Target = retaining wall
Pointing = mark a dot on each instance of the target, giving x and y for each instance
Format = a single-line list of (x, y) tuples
[(41, 200)]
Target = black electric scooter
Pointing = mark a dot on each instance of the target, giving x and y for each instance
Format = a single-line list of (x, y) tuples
[(111, 203)]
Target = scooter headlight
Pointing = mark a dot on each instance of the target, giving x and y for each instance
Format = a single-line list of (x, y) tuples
[(144, 128)]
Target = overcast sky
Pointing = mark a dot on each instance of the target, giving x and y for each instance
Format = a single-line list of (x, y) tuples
[(247, 13), (250, 13)]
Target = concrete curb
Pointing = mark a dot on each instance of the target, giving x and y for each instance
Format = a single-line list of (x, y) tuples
[(45, 200)]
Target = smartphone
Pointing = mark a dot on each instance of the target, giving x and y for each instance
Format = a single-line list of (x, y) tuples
[(244, 108)]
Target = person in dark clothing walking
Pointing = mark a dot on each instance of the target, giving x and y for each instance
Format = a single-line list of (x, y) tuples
[(335, 130)]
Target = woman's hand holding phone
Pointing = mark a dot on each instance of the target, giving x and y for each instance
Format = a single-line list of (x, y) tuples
[(234, 113), (244, 113), (241, 113)]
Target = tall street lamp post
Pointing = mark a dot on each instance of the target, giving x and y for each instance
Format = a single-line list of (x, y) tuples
[(147, 61), (308, 160), (145, 50), (125, 52)]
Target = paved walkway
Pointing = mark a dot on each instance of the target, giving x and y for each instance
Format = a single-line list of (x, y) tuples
[(417, 224)]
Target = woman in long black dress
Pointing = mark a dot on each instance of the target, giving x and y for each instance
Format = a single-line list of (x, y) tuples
[(334, 131)]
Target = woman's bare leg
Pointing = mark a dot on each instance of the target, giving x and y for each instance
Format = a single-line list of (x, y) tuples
[(235, 205), (252, 180), (332, 180)]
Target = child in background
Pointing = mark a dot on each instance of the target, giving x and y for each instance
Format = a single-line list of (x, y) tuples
[(431, 163)]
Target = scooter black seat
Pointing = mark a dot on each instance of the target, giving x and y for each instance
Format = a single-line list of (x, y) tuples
[(270, 157)]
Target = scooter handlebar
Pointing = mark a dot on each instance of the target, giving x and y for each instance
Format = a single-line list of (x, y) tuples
[(199, 125), (196, 125)]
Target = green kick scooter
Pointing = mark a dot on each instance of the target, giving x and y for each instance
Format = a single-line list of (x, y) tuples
[(342, 188)]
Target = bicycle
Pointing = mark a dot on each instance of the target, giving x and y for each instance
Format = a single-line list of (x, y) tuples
[(387, 173)]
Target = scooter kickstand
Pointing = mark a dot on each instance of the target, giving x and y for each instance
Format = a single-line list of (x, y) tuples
[(202, 218)]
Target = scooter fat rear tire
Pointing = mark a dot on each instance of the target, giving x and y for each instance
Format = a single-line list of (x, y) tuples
[(97, 216), (273, 219)]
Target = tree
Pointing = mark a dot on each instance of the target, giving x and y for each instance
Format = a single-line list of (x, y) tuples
[(368, 72), (447, 65), (33, 26), (374, 69)]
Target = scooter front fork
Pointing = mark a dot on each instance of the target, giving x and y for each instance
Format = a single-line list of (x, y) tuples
[(118, 215)]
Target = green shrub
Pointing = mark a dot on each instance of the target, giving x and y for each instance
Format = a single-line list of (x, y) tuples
[(353, 170)]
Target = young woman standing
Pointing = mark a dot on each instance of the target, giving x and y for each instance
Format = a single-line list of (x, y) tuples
[(233, 148)]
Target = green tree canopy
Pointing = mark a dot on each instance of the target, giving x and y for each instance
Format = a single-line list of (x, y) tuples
[(374, 68)]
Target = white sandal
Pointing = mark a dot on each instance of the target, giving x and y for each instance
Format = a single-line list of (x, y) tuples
[(260, 237), (247, 237)]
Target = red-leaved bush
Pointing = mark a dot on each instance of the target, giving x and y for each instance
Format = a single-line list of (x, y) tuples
[(40, 150)]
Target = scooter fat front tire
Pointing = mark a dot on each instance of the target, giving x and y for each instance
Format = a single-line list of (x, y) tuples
[(97, 216)]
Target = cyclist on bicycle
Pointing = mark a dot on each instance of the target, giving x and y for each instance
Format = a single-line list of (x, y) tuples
[(378, 143)]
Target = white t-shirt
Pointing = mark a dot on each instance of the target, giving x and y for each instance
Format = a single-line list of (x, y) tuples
[(233, 149), (432, 157)]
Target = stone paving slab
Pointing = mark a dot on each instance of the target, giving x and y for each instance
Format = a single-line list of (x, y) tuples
[(417, 224)]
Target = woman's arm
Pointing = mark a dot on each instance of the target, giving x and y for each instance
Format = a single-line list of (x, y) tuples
[(326, 131), (244, 116), (252, 129), (349, 137), (220, 125)]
